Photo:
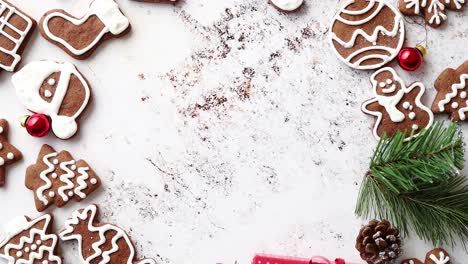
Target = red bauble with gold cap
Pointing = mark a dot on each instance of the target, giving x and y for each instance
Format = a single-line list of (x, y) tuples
[(37, 125)]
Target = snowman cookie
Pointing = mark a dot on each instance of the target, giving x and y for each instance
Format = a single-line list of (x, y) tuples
[(367, 34), (287, 5), (55, 89), (395, 106)]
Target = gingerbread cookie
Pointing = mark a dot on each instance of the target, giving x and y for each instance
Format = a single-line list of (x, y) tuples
[(395, 106), (80, 37), (57, 178), (435, 256), (367, 34), (287, 5), (8, 153), (17, 27), (452, 93), (433, 10), (101, 242), (55, 89), (29, 241)]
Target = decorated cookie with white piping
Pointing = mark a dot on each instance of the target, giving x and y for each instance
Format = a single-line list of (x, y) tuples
[(367, 34), (55, 89), (27, 241), (80, 37), (395, 106), (99, 242), (452, 93), (435, 256), (57, 178), (287, 5), (433, 11), (8, 153)]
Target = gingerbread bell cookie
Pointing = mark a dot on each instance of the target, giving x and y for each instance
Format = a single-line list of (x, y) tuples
[(99, 242), (17, 27), (395, 106), (55, 89), (8, 153), (435, 256), (287, 5), (80, 37), (452, 93), (434, 11), (367, 34), (57, 178), (29, 241)]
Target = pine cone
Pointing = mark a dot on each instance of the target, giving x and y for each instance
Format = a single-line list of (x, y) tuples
[(379, 242)]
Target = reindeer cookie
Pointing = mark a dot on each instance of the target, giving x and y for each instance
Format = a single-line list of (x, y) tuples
[(433, 10), (8, 153), (55, 89), (29, 241), (435, 256), (80, 37), (395, 106), (98, 242), (452, 93)]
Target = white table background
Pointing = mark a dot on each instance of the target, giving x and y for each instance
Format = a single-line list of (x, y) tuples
[(223, 128)]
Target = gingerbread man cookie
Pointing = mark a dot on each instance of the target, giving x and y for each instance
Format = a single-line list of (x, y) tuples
[(433, 10), (29, 241), (8, 153), (435, 256), (57, 178), (17, 27), (395, 106), (101, 242), (80, 37), (452, 93), (287, 5), (367, 34), (55, 89)]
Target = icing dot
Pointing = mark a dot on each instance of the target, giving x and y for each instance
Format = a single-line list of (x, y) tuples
[(51, 81), (1, 129), (33, 247), (406, 105), (411, 107), (47, 93), (51, 194), (70, 193), (454, 105), (382, 84), (38, 242), (389, 81), (73, 167), (45, 262), (26, 249), (10, 155), (19, 254), (54, 175), (93, 181), (2, 161), (55, 161), (463, 95), (412, 115), (1, 146), (415, 127)]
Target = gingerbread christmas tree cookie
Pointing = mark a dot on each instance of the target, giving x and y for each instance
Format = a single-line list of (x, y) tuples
[(434, 11), (57, 178), (8, 153)]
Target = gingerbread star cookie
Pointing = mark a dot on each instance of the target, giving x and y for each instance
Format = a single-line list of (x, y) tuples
[(8, 153), (435, 256), (433, 10), (80, 37), (57, 178), (452, 93)]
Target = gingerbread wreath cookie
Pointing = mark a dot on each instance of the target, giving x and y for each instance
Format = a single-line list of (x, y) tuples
[(435, 256), (8, 153), (433, 10), (29, 241), (395, 106), (57, 178), (80, 37), (17, 27), (99, 242), (287, 5), (452, 93), (55, 89), (367, 34)]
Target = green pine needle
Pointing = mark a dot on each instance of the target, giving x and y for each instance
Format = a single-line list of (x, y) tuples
[(416, 185)]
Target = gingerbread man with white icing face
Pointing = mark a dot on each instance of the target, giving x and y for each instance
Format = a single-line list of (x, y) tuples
[(395, 106)]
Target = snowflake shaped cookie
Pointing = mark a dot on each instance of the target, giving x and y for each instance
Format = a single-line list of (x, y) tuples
[(434, 11)]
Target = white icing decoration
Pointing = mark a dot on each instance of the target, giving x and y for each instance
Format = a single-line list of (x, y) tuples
[(2, 161), (43, 175), (406, 105), (10, 156), (19, 254), (441, 260), (1, 129), (51, 81), (449, 96), (463, 95), (33, 247), (389, 90), (454, 105), (26, 249), (55, 161), (47, 93), (1, 146), (28, 82), (73, 167), (288, 5), (38, 242), (390, 103), (389, 81), (11, 11), (51, 194), (436, 8), (414, 127), (70, 193), (81, 180), (54, 175), (93, 181), (411, 115), (382, 84), (65, 178), (106, 10)]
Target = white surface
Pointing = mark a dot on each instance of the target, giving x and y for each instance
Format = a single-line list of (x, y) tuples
[(276, 168)]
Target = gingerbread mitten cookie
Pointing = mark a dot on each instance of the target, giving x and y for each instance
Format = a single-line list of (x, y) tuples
[(79, 37), (433, 10), (367, 34), (55, 89), (17, 27), (396, 107), (98, 241), (435, 256), (8, 153), (452, 93), (57, 178), (30, 241)]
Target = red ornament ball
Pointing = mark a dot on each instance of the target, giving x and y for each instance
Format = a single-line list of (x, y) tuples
[(37, 125), (411, 58)]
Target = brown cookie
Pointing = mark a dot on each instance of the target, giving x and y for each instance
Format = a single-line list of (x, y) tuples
[(433, 10), (17, 28), (367, 34), (452, 93), (287, 5), (8, 153), (55, 89), (435, 256), (30, 241), (395, 106), (99, 241), (57, 178), (80, 37)]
